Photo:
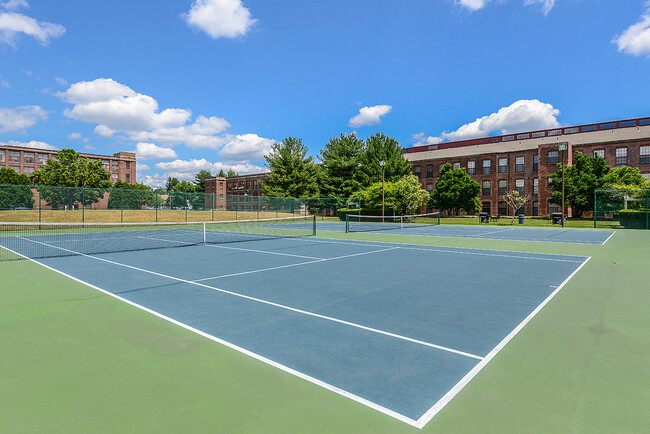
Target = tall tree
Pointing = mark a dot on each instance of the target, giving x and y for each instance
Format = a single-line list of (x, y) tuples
[(199, 180), (379, 147), (15, 190), (340, 174), (221, 173), (231, 173), (69, 169), (293, 174), (455, 190), (130, 196), (171, 183), (581, 179), (409, 195), (625, 175)]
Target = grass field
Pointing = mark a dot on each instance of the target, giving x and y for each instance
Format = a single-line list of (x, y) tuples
[(76, 360)]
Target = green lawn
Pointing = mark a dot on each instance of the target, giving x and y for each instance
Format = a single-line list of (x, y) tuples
[(76, 360)]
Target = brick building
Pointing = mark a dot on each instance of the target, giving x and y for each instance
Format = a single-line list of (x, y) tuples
[(523, 161), (120, 165), (216, 188)]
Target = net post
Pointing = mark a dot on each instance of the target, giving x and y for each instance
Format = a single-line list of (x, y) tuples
[(347, 223), (314, 220), (204, 234), (40, 205), (187, 205)]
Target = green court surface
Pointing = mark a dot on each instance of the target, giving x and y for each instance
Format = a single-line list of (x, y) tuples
[(77, 360)]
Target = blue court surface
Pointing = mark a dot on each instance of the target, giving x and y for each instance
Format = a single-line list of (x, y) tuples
[(400, 328), (515, 233)]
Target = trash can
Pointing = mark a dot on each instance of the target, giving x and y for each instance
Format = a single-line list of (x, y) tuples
[(557, 218), (521, 219), (483, 217)]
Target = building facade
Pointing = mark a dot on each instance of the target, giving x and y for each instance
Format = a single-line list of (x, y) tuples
[(215, 189), (120, 166), (523, 161)]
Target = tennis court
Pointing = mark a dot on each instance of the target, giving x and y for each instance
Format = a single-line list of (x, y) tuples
[(400, 328), (513, 233)]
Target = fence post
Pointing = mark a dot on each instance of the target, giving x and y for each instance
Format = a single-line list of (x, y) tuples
[(122, 206), (187, 206), (40, 204), (83, 205), (595, 206), (647, 208)]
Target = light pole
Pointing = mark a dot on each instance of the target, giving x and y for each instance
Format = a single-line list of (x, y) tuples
[(382, 163), (562, 147)]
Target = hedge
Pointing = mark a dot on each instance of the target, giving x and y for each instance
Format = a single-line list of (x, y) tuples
[(634, 219)]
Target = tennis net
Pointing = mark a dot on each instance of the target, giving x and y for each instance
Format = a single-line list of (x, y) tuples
[(44, 240), (365, 223)]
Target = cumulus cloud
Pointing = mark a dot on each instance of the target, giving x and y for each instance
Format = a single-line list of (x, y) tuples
[(74, 136), (31, 144), (522, 115), (14, 5), (104, 131), (143, 167), (19, 118), (421, 139), (635, 40), (186, 169), (219, 18), (369, 115), (246, 147), (474, 5), (61, 81), (151, 151), (13, 25)]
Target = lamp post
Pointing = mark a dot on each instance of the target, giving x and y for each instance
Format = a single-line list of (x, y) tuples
[(562, 147), (382, 163)]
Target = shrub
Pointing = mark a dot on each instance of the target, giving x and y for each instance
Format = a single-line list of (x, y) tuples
[(634, 219)]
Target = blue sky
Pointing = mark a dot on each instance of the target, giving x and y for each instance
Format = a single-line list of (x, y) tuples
[(210, 84)]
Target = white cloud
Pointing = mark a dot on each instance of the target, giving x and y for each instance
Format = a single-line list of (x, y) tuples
[(142, 167), (186, 169), (74, 136), (522, 115), (547, 5), (419, 139), (219, 18), (61, 81), (31, 144), (4, 83), (473, 5), (13, 25), (154, 181), (246, 147), (635, 40), (150, 151), (369, 115), (20, 117), (14, 5), (89, 147), (104, 131)]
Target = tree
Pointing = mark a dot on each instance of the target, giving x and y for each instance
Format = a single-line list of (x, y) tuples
[(68, 169), (379, 147), (293, 174), (515, 201), (409, 195), (199, 180), (221, 173), (624, 175), (182, 194), (15, 190), (340, 174), (131, 196), (585, 176), (171, 183), (455, 190), (371, 196), (231, 173)]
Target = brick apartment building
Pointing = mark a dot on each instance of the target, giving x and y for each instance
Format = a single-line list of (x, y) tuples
[(225, 189), (523, 161), (120, 165)]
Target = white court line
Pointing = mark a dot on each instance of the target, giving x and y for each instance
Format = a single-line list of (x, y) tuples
[(296, 265), (492, 232), (281, 306), (608, 238), (426, 417)]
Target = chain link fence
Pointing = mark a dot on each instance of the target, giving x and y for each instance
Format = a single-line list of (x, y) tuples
[(629, 209)]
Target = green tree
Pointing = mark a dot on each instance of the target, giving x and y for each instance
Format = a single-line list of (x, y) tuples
[(199, 180), (293, 174), (340, 174), (409, 195), (231, 173), (130, 196), (171, 183), (515, 201), (69, 169), (379, 147), (182, 195), (221, 173), (624, 175), (581, 179), (371, 196), (15, 190), (455, 190)]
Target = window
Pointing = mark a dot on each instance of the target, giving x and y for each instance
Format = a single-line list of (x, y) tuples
[(503, 165), (519, 186), (128, 177), (523, 136), (416, 171), (432, 147), (539, 134), (2, 155), (507, 138), (487, 164), (116, 165), (28, 157), (608, 126), (456, 165), (536, 186), (220, 183), (471, 167), (571, 130), (503, 208), (16, 168), (128, 165), (555, 132), (519, 164), (486, 207), (42, 159), (14, 156), (535, 163), (28, 170), (552, 207), (552, 157), (430, 171), (599, 153), (535, 208), (646, 176), (644, 121), (520, 210), (627, 124), (107, 165), (644, 155), (486, 188), (114, 177), (503, 187), (588, 128), (621, 156), (429, 188)]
